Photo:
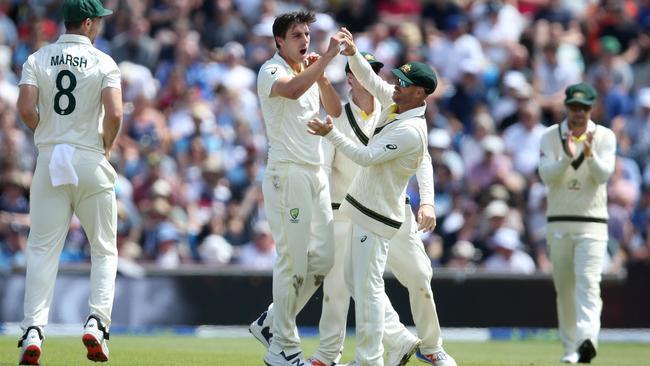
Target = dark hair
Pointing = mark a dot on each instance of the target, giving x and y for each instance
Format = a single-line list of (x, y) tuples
[(73, 25), (285, 21)]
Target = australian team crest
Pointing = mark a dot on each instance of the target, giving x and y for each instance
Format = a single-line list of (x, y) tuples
[(578, 94), (294, 213), (406, 68), (370, 57)]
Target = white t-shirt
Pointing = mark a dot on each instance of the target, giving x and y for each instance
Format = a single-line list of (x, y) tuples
[(286, 119), (70, 75)]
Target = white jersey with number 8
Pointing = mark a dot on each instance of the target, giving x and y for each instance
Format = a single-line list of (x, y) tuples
[(70, 75)]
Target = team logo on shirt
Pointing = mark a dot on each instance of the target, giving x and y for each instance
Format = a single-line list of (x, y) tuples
[(391, 147), (574, 185), (294, 213)]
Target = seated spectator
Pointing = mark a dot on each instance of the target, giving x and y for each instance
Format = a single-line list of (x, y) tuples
[(508, 256), (260, 252), (464, 256)]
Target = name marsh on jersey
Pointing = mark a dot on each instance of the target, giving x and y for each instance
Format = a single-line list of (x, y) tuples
[(68, 60)]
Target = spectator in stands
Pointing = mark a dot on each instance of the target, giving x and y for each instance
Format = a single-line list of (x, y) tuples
[(508, 256), (260, 252)]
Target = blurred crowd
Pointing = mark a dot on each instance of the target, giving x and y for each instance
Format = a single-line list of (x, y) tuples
[(192, 148)]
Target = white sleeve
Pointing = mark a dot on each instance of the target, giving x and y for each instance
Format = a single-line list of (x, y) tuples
[(112, 79), (267, 76), (28, 76), (377, 86), (402, 141), (601, 165), (424, 175), (551, 166)]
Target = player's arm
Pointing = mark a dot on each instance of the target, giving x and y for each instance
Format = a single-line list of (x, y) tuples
[(551, 166), (329, 97), (362, 70), (27, 105), (426, 214), (602, 158), (293, 87), (402, 141), (112, 101)]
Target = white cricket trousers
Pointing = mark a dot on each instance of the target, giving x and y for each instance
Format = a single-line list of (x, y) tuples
[(577, 265), (51, 209), (298, 208), (364, 270), (410, 264)]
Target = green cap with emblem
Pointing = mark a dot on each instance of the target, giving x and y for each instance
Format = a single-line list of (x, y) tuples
[(77, 10), (581, 94), (376, 64), (418, 74)]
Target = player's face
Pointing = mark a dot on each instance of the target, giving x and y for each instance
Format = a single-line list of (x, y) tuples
[(95, 27), (405, 92), (578, 114), (295, 44)]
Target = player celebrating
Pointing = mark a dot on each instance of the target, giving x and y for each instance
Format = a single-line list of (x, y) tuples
[(388, 161), (577, 159), (70, 97), (291, 87)]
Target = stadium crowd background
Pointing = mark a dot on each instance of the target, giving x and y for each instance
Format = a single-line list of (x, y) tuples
[(192, 149)]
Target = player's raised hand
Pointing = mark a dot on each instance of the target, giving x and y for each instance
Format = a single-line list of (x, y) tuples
[(350, 48), (311, 59), (426, 218), (569, 144), (320, 128), (587, 147)]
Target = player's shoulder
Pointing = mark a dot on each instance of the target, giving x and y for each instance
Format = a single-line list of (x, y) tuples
[(104, 59), (272, 67)]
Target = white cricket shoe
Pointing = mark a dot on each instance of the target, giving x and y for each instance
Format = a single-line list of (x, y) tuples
[(30, 346), (401, 355), (94, 338), (282, 359), (437, 358), (261, 330), (570, 358)]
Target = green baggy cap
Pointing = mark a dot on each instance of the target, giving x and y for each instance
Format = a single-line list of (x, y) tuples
[(77, 10)]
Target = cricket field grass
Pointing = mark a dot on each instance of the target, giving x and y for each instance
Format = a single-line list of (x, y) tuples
[(190, 351)]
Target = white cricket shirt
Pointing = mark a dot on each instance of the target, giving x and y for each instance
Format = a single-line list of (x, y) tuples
[(286, 119), (70, 75)]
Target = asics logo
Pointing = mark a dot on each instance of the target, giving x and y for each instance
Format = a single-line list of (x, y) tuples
[(364, 238)]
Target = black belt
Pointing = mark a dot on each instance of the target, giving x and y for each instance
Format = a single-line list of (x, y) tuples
[(576, 219), (336, 206)]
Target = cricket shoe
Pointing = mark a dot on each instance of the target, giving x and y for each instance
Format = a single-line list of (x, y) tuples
[(30, 346), (437, 358), (587, 351), (570, 358), (281, 359), (94, 338), (401, 355), (261, 330), (316, 362)]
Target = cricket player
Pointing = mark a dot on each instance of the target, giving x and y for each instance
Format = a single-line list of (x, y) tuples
[(291, 87), (577, 159), (387, 163), (407, 258), (70, 96)]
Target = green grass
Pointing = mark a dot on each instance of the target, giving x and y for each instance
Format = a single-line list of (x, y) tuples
[(171, 350)]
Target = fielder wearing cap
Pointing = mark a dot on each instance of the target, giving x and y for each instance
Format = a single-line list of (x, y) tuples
[(396, 150), (417, 74), (78, 10), (577, 159)]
